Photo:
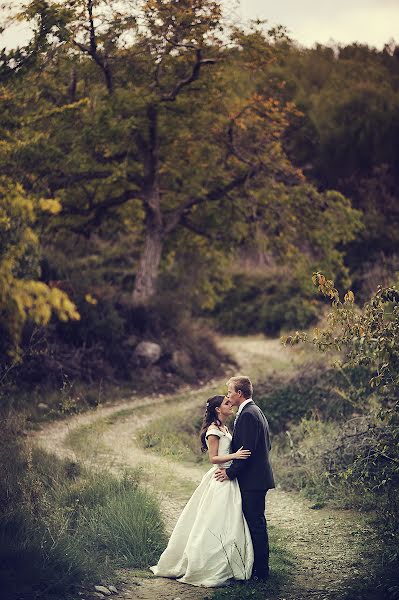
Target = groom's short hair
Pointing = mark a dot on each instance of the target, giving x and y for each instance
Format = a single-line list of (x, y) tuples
[(242, 383)]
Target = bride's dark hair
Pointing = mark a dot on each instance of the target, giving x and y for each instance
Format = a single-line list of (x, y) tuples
[(210, 417)]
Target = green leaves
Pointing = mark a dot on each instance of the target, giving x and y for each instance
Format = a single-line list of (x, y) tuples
[(152, 128), (369, 337)]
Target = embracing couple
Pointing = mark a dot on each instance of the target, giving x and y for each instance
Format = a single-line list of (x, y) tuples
[(221, 534)]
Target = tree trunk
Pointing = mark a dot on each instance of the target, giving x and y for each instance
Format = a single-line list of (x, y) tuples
[(148, 269)]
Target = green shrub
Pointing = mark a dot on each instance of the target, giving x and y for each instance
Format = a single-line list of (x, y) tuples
[(298, 457), (329, 393), (265, 303)]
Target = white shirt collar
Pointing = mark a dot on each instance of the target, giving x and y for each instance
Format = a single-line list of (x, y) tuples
[(242, 406)]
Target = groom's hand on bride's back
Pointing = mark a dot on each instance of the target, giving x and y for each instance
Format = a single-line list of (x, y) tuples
[(220, 475)]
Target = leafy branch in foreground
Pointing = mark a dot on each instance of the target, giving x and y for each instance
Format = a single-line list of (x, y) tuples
[(367, 337)]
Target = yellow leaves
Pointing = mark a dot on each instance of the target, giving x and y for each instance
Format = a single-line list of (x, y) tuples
[(29, 237), (325, 286), (15, 203), (242, 125), (318, 279), (50, 205), (64, 308), (23, 299), (5, 222), (6, 95), (349, 297), (36, 301), (59, 110), (257, 98), (90, 299)]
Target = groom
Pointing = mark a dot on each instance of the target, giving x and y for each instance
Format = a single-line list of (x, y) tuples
[(254, 475)]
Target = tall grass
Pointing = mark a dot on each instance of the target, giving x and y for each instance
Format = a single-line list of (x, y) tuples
[(282, 565), (62, 525)]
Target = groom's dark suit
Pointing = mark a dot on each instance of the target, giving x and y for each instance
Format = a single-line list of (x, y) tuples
[(255, 477)]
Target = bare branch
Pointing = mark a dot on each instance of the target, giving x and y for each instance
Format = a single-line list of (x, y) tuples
[(175, 217), (62, 180), (100, 208), (92, 50), (193, 76), (199, 231)]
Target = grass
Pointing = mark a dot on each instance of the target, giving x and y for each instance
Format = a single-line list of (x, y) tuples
[(174, 435), (62, 524), (86, 440), (281, 568)]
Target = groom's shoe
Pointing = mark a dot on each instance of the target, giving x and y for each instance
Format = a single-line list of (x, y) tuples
[(260, 577)]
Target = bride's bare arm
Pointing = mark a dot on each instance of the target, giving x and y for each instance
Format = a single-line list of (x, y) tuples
[(213, 447)]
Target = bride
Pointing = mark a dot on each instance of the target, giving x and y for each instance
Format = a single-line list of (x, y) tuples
[(211, 543)]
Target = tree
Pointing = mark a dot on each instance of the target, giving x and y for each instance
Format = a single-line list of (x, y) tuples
[(157, 113), (346, 139)]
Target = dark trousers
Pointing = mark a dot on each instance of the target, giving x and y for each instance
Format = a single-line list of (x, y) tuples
[(253, 507)]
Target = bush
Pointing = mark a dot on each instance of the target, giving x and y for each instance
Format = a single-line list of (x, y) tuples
[(62, 525), (347, 465), (265, 303), (328, 393), (367, 338)]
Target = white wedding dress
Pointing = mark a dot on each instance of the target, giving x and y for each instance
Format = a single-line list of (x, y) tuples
[(210, 543)]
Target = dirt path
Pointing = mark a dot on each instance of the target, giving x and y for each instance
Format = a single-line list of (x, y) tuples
[(326, 544)]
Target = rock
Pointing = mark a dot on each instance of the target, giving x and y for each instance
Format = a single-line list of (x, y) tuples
[(102, 589), (42, 406), (97, 595), (147, 353), (112, 589)]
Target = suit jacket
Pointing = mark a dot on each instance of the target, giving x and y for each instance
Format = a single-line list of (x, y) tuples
[(252, 432)]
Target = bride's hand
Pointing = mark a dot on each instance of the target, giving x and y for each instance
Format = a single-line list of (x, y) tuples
[(241, 454)]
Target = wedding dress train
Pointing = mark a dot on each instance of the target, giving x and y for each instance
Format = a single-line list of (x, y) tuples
[(210, 543)]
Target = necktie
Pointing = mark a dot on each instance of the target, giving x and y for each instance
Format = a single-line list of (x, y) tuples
[(236, 419)]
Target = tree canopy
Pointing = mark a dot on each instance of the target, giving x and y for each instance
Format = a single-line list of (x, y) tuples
[(171, 142)]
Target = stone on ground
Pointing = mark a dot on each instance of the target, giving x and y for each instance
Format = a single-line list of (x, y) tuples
[(102, 589)]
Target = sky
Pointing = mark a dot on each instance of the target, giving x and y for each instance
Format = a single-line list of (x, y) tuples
[(374, 22)]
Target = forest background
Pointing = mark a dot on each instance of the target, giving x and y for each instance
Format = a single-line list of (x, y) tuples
[(165, 175)]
